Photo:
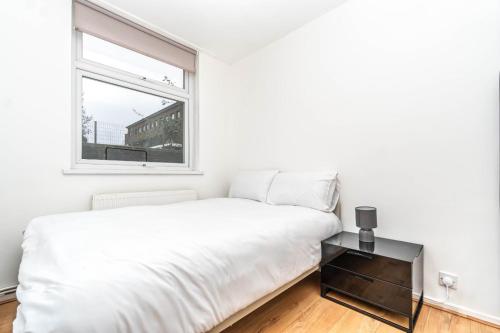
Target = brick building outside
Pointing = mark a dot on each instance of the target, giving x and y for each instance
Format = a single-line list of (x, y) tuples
[(162, 129)]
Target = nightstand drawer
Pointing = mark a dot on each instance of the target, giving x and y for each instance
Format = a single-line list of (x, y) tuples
[(379, 267), (374, 291)]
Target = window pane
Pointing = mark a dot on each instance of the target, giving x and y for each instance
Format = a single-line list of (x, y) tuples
[(109, 54), (126, 125)]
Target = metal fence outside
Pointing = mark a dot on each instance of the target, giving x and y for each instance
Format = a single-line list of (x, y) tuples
[(105, 133)]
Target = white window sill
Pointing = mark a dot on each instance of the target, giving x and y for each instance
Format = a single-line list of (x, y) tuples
[(129, 172)]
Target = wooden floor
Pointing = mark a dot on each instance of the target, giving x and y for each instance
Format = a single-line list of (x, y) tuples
[(7, 315), (301, 309)]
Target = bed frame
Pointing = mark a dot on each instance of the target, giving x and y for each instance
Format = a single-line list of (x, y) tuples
[(257, 304), (116, 200)]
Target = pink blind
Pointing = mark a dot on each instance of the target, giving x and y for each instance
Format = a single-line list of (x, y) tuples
[(112, 28)]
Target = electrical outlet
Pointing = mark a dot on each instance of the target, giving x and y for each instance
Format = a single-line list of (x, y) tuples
[(453, 277)]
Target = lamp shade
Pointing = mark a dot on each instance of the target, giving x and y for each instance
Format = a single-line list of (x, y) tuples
[(366, 217)]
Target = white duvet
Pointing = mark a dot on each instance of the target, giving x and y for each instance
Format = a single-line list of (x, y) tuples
[(183, 267)]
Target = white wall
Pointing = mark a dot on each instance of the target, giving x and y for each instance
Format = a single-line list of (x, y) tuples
[(402, 98), (35, 103)]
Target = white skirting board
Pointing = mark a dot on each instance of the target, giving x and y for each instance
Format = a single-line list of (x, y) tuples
[(8, 294), (463, 310), (117, 200)]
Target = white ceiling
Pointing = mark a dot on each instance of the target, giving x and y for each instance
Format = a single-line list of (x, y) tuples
[(227, 29)]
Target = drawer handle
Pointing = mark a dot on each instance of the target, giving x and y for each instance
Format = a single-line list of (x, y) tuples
[(363, 278), (363, 255)]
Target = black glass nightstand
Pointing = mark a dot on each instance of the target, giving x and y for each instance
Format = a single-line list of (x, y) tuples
[(383, 280)]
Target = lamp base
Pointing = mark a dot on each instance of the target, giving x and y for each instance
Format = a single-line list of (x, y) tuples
[(366, 235), (367, 246)]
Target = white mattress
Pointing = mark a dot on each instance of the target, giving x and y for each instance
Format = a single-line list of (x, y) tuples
[(183, 267)]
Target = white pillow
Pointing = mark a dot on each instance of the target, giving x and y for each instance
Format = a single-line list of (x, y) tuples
[(316, 190), (252, 185)]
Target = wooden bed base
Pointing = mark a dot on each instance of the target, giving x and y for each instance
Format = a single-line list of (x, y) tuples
[(257, 304)]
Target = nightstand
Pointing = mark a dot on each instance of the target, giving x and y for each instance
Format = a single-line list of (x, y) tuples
[(383, 281)]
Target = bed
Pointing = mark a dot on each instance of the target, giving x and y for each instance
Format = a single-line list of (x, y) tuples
[(190, 266)]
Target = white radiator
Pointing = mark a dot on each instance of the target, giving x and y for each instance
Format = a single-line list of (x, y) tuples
[(117, 200)]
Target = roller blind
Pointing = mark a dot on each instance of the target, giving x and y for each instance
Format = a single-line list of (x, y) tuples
[(100, 23)]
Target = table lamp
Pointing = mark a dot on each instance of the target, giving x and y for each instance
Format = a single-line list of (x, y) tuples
[(366, 219)]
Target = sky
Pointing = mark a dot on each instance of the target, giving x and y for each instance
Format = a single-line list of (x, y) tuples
[(117, 105)]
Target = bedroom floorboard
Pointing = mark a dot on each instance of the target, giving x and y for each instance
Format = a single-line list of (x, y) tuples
[(301, 309)]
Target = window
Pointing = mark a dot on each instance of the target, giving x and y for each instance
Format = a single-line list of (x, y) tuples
[(111, 116), (124, 94)]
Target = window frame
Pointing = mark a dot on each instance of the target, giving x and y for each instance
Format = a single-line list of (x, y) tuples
[(83, 68)]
